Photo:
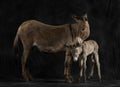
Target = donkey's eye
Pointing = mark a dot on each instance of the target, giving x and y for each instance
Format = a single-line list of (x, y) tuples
[(83, 29)]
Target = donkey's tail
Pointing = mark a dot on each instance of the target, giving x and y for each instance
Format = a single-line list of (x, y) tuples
[(15, 44)]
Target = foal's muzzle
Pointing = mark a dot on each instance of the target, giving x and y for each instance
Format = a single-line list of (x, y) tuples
[(79, 41)]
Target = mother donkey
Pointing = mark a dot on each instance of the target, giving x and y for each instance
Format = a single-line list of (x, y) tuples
[(49, 38)]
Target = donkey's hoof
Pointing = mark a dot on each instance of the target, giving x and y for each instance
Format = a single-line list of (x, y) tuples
[(27, 79), (30, 78), (69, 79)]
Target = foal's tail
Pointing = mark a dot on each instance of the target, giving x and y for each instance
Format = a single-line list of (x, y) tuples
[(15, 44)]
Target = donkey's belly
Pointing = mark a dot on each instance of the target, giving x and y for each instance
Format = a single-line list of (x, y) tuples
[(49, 49)]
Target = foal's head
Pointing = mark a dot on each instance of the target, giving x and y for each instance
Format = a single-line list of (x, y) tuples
[(76, 51)]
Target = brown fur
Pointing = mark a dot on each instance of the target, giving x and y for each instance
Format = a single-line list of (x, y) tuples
[(49, 38)]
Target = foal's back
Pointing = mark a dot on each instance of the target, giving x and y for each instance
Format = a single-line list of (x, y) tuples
[(90, 47)]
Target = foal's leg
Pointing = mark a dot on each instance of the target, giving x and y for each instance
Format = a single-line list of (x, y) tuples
[(25, 73), (84, 67), (92, 63), (68, 61), (98, 65), (81, 68)]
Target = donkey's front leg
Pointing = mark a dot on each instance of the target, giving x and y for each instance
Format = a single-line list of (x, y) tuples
[(68, 62)]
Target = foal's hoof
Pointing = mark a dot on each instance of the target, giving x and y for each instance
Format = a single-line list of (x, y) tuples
[(81, 80), (84, 80), (77, 80), (100, 80), (90, 77)]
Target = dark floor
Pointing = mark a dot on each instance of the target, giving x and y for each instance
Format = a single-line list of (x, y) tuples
[(59, 83)]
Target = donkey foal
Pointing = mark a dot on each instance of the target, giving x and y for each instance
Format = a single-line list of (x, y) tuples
[(89, 47)]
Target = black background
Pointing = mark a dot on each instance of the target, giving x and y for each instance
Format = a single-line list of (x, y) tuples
[(104, 19)]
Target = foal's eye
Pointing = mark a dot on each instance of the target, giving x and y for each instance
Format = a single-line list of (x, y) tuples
[(74, 46)]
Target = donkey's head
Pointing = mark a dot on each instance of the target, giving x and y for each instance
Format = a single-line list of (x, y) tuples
[(82, 26), (79, 19)]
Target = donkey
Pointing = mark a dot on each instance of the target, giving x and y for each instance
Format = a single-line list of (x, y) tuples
[(89, 47), (49, 38)]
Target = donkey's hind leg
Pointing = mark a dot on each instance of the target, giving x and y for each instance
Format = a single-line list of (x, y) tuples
[(25, 73)]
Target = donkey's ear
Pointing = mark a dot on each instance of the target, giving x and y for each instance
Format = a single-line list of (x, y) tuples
[(85, 18)]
